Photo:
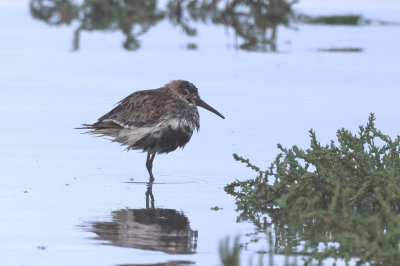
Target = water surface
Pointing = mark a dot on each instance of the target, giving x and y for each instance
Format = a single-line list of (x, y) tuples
[(68, 199)]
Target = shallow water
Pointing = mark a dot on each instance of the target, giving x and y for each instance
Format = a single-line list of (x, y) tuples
[(58, 185)]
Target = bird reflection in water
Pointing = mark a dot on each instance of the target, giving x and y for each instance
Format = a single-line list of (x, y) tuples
[(152, 228)]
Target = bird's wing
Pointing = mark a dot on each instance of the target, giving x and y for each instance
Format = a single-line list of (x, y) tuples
[(140, 109)]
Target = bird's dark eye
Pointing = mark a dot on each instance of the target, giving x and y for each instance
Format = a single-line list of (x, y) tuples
[(185, 92), (192, 88)]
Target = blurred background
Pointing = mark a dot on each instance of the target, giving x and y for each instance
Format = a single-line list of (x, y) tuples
[(274, 68)]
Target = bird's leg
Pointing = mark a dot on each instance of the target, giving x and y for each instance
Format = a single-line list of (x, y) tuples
[(149, 164)]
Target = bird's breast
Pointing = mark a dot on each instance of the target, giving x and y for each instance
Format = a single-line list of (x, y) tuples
[(170, 135)]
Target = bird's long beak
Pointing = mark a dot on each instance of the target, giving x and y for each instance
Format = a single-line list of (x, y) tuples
[(201, 103)]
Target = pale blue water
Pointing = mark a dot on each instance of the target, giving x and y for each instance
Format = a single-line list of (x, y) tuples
[(57, 182)]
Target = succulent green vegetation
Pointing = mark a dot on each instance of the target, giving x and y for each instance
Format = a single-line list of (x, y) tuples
[(342, 50), (344, 20), (340, 200), (341, 20), (230, 255), (169, 263), (191, 46)]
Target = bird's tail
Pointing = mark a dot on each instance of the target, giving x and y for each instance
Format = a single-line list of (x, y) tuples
[(102, 128), (85, 126)]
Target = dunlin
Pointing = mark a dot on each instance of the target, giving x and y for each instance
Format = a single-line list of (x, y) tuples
[(154, 121)]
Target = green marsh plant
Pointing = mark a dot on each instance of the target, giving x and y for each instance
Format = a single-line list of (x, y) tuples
[(340, 200)]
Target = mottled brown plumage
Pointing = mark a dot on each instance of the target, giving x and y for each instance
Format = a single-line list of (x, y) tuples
[(155, 121)]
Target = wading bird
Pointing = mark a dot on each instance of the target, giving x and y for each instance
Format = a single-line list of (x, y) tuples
[(154, 121)]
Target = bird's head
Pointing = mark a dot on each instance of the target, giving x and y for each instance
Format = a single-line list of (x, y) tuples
[(188, 92)]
